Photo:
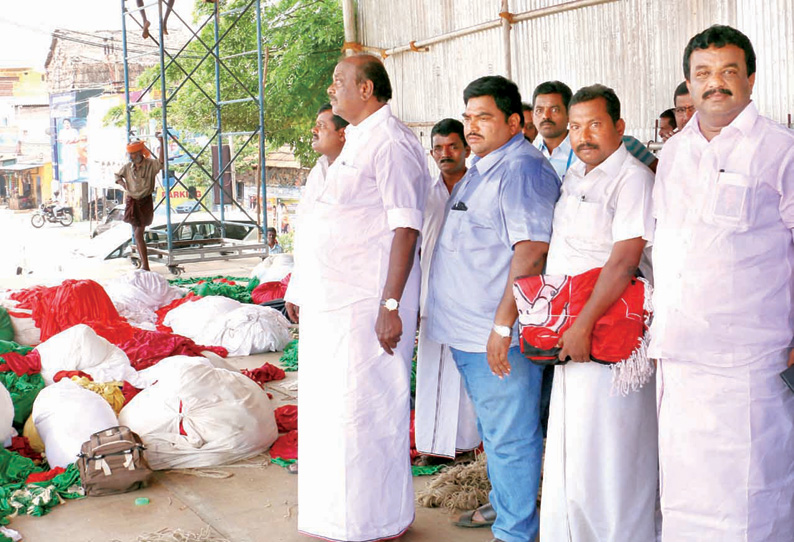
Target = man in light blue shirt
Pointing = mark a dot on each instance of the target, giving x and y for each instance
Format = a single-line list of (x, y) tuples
[(497, 227)]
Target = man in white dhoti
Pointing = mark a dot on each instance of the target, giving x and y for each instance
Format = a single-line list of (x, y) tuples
[(359, 295), (723, 323), (600, 472), (445, 420)]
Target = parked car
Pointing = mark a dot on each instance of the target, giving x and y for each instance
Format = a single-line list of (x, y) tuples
[(199, 227), (187, 207)]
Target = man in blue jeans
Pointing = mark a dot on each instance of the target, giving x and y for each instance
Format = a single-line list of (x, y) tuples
[(497, 227)]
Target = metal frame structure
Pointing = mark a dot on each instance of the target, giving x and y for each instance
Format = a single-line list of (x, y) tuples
[(195, 252)]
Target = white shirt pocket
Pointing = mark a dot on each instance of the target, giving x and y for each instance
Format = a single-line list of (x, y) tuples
[(731, 201), (341, 184)]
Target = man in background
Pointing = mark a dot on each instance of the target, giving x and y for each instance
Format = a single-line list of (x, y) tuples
[(137, 178), (445, 421), (530, 130)]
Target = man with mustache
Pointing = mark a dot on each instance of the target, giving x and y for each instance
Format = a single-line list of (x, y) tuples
[(550, 115), (599, 481), (445, 422), (328, 138), (497, 227), (724, 298), (359, 290)]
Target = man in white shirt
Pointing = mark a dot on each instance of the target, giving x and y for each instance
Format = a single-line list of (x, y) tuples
[(359, 290), (723, 322), (550, 115), (328, 139), (445, 421), (600, 472)]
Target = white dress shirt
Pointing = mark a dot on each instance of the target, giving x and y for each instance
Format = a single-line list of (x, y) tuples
[(378, 183), (723, 252), (612, 203)]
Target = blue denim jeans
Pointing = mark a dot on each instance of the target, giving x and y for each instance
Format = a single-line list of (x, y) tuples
[(509, 423)]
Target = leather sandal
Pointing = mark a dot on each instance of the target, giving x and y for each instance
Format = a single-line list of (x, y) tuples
[(466, 519)]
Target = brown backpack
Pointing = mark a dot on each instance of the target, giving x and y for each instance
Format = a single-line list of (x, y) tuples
[(112, 462)]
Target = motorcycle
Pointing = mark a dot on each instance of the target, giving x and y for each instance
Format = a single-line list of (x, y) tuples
[(52, 213)]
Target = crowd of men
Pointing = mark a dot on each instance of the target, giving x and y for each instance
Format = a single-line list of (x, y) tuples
[(706, 454)]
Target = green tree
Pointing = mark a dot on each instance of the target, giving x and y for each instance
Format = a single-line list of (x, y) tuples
[(302, 40)]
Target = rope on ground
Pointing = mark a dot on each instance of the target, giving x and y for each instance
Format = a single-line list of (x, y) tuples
[(203, 473), (178, 535), (462, 487)]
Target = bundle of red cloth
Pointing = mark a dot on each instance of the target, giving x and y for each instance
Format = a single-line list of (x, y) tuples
[(548, 306)]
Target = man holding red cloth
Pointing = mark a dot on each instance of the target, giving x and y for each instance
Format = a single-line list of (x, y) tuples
[(137, 179)]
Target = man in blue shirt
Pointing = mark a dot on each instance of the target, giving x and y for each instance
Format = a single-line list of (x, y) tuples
[(497, 227)]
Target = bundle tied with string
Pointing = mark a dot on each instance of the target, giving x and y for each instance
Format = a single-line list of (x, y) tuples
[(462, 487)]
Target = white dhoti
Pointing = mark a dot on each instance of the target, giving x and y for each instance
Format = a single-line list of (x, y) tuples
[(445, 420), (354, 482), (726, 450), (601, 471)]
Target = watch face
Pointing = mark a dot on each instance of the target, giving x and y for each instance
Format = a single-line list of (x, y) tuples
[(391, 304)]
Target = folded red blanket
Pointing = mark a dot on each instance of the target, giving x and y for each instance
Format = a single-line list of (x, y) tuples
[(548, 305)]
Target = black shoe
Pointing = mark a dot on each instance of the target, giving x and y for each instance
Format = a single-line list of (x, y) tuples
[(467, 518)]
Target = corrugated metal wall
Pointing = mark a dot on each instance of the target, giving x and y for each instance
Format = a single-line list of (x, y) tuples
[(634, 46)]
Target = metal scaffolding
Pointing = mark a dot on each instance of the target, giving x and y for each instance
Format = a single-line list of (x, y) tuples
[(177, 252)]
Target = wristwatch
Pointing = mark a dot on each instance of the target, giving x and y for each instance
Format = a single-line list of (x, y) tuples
[(503, 331), (390, 304)]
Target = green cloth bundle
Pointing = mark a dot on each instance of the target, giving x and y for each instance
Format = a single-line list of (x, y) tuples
[(289, 359), (23, 390), (6, 329), (35, 499), (240, 291)]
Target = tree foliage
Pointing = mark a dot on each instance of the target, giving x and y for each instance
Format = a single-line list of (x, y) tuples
[(302, 40)]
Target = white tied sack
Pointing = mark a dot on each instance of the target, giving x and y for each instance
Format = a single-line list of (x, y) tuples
[(79, 348), (138, 294), (273, 268), (6, 415), (25, 331), (241, 329), (66, 415), (226, 417)]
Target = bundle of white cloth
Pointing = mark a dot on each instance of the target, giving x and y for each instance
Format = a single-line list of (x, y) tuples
[(240, 328), (79, 348), (197, 415), (138, 294)]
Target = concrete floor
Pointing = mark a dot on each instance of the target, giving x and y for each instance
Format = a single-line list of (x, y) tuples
[(257, 502)]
